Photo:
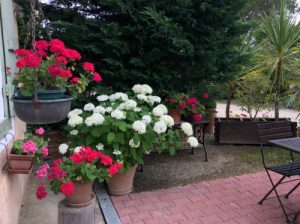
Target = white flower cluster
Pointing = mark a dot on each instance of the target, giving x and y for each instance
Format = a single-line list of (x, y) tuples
[(142, 89), (128, 105), (63, 148), (193, 141), (89, 107), (160, 110), (75, 120), (100, 146), (74, 112), (74, 132), (99, 109), (142, 97), (109, 109), (146, 119), (94, 119), (160, 127), (102, 98), (118, 114), (169, 121), (139, 127), (117, 96), (153, 99), (187, 128), (133, 145), (77, 149), (117, 152)]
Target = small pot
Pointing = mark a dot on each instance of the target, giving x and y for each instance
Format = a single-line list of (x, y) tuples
[(121, 183), (82, 194), (21, 163), (175, 114)]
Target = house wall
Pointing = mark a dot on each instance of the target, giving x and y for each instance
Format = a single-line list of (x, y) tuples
[(12, 186)]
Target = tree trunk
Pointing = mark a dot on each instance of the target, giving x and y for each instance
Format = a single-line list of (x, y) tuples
[(229, 96), (277, 88)]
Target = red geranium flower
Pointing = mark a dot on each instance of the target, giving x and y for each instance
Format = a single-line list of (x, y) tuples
[(20, 63), (54, 70), (97, 77), (22, 52), (57, 161), (61, 60), (67, 188), (76, 158), (194, 106), (71, 54), (75, 80), (192, 100), (115, 168), (88, 67), (197, 117), (105, 159), (32, 60), (182, 105), (41, 191), (171, 100), (205, 95), (57, 173), (57, 46), (41, 45), (65, 73)]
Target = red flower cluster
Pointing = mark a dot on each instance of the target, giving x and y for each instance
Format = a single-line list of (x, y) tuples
[(67, 188), (115, 168), (197, 117), (88, 67), (85, 155), (41, 191), (56, 173), (105, 159)]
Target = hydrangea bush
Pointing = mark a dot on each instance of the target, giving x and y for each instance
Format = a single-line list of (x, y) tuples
[(126, 126), (50, 65)]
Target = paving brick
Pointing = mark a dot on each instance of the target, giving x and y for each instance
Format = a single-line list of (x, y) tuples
[(127, 211), (131, 203), (140, 216), (212, 219)]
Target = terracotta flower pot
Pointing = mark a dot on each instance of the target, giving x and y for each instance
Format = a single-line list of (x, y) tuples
[(20, 163), (175, 114), (82, 195), (121, 183)]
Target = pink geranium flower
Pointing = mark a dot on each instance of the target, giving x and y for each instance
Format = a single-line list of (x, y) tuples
[(45, 152), (29, 146), (39, 131)]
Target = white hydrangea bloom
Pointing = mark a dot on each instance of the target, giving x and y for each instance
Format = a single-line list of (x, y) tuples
[(139, 126), (74, 132), (102, 98), (142, 89), (117, 96), (193, 141), (77, 149), (133, 145), (94, 119), (137, 109), (130, 104), (117, 152), (100, 146), (99, 109), (160, 110), (146, 119), (109, 109), (74, 112), (63, 148), (142, 97), (118, 114), (153, 99), (75, 120), (160, 127), (168, 120), (187, 128), (89, 107)]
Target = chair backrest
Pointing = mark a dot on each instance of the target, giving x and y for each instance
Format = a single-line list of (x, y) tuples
[(274, 130)]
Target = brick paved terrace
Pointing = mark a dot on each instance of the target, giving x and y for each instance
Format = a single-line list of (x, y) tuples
[(232, 200)]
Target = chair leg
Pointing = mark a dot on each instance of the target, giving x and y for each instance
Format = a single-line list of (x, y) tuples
[(291, 191), (277, 195), (272, 189)]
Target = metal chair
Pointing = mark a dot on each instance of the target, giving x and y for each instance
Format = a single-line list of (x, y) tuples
[(272, 131)]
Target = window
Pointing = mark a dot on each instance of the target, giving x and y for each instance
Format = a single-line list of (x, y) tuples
[(5, 123)]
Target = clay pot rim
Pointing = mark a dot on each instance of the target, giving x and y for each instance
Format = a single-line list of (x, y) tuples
[(13, 155), (80, 205)]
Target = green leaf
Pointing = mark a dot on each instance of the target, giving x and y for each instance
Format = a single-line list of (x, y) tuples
[(110, 137), (123, 126), (95, 132)]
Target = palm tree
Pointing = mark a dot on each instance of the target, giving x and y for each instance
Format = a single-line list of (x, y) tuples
[(282, 33)]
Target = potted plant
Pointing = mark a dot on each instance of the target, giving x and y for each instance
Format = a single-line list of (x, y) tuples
[(24, 152), (45, 73), (74, 175), (210, 114), (192, 109), (174, 104), (126, 126)]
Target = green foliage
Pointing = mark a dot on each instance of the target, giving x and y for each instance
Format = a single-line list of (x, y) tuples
[(160, 42), (253, 93)]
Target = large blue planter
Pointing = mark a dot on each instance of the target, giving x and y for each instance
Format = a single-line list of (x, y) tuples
[(42, 111), (43, 94)]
